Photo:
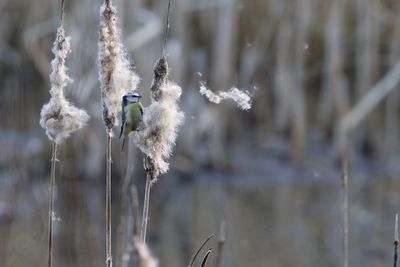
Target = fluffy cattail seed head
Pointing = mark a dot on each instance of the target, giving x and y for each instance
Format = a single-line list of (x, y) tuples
[(161, 120), (160, 78), (116, 74), (59, 117)]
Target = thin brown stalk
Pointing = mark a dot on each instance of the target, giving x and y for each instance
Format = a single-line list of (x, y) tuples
[(146, 204), (51, 206), (108, 202), (221, 244), (345, 195), (396, 240), (198, 251)]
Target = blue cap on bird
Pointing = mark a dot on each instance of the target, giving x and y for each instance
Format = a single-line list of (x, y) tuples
[(131, 97)]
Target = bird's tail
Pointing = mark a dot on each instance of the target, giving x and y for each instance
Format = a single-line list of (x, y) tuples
[(123, 144), (122, 129)]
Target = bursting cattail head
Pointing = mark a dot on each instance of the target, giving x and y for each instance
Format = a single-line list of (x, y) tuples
[(160, 78), (116, 73), (161, 122), (59, 117)]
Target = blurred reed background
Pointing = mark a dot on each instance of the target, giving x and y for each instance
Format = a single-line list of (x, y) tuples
[(271, 174)]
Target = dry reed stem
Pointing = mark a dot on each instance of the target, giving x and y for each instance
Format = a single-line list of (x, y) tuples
[(135, 210), (345, 195), (131, 253), (333, 98), (108, 202), (51, 206), (62, 12), (164, 49), (126, 217), (221, 244), (146, 205), (122, 233), (198, 251), (396, 240)]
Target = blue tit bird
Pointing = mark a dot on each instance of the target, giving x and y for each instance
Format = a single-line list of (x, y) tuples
[(132, 112)]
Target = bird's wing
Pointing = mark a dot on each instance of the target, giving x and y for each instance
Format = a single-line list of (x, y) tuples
[(141, 108), (123, 118)]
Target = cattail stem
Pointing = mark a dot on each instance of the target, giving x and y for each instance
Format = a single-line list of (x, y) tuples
[(51, 205), (62, 12), (108, 202), (164, 48), (124, 217), (396, 240), (221, 244), (345, 195), (146, 204)]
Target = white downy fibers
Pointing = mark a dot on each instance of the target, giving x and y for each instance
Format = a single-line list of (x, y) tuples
[(59, 117)]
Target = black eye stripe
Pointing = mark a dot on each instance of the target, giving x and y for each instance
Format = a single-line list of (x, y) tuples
[(132, 95)]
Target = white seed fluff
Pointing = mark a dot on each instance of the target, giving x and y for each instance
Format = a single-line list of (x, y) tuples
[(161, 124), (242, 99), (59, 117), (145, 257), (115, 72)]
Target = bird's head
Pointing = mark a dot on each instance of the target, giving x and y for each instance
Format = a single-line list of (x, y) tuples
[(131, 97)]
